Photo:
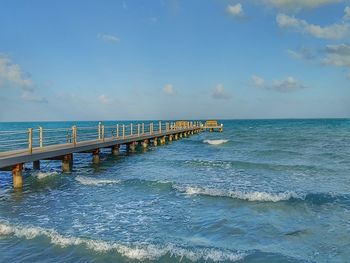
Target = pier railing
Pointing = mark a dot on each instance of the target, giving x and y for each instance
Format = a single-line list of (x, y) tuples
[(41, 137)]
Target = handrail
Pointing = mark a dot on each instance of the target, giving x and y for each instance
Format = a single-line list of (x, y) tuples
[(42, 137)]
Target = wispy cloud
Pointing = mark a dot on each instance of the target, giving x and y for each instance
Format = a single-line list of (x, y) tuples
[(104, 99), (235, 10), (289, 84), (302, 53), (220, 93), (32, 97), (12, 76), (258, 81), (296, 5), (168, 89), (337, 55), (346, 13), (334, 31), (109, 38)]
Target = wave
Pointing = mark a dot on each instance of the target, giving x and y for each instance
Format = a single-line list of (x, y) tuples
[(215, 142), (136, 251), (247, 196), (93, 181), (42, 175)]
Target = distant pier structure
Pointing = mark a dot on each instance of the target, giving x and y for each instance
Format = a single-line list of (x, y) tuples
[(20, 147), (213, 125)]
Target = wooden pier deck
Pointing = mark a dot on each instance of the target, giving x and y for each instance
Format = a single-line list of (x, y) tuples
[(48, 144)]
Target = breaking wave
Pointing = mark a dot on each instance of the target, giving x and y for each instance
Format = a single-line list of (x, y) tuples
[(215, 142), (93, 181), (248, 196), (42, 175), (136, 251)]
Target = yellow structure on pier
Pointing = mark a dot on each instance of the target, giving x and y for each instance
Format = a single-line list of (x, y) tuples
[(213, 125)]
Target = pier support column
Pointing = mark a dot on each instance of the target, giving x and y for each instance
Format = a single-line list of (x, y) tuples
[(96, 156), (144, 144), (176, 137), (170, 138), (67, 163), (36, 165), (115, 149), (180, 135), (155, 142), (132, 147), (17, 176), (163, 140), (185, 134)]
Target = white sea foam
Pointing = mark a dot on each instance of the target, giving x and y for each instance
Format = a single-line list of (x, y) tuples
[(137, 251), (94, 181), (42, 175), (248, 196), (215, 142)]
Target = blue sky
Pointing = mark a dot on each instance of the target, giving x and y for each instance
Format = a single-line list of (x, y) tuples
[(168, 59)]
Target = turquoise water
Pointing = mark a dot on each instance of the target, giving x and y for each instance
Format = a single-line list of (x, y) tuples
[(269, 191)]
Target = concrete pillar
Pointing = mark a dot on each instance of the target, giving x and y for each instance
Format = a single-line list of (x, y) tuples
[(176, 137), (180, 135), (185, 134), (36, 165), (155, 142), (115, 149), (17, 176), (163, 140), (144, 144), (67, 163), (170, 138), (132, 147), (96, 156)]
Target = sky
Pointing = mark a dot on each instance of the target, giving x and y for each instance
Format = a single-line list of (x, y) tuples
[(172, 59)]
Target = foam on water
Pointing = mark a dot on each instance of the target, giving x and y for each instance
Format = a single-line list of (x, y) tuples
[(215, 142), (94, 181), (42, 175), (248, 196), (136, 251)]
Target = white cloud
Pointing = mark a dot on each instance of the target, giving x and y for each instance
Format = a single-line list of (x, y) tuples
[(169, 90), (220, 93), (104, 99), (302, 53), (11, 74), (337, 55), (235, 10), (347, 13), (299, 4), (289, 84), (334, 31), (258, 81), (109, 38)]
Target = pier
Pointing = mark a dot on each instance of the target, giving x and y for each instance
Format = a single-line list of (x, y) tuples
[(17, 148)]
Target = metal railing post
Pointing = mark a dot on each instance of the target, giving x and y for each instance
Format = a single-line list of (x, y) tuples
[(130, 129), (143, 128), (160, 127), (41, 137), (74, 135), (103, 132), (123, 131), (99, 130), (117, 131), (30, 140), (138, 129)]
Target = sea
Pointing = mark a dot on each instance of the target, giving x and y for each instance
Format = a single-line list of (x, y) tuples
[(260, 191)]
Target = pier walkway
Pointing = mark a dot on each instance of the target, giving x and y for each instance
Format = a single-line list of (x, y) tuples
[(33, 145)]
